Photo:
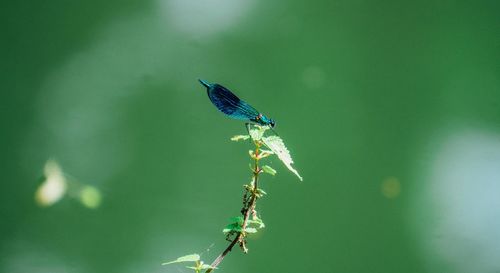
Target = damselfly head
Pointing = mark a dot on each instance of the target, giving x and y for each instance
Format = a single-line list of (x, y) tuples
[(272, 123)]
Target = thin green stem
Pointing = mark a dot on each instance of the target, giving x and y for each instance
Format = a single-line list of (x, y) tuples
[(248, 208)]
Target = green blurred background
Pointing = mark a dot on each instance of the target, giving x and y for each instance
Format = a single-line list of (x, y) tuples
[(389, 108)]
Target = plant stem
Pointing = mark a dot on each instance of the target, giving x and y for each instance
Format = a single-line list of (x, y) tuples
[(248, 208)]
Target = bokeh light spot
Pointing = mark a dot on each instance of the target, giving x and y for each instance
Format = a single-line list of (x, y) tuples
[(458, 210), (391, 187), (90, 197), (203, 17)]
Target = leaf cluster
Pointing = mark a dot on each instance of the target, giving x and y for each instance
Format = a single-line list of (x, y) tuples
[(275, 145), (198, 266)]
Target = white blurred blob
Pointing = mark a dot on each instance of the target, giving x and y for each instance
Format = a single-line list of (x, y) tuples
[(56, 185), (460, 204), (313, 77), (53, 187), (203, 17)]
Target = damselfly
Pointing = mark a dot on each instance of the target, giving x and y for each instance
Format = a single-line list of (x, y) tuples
[(229, 104)]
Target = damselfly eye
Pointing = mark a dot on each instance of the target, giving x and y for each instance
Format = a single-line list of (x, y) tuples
[(272, 123)]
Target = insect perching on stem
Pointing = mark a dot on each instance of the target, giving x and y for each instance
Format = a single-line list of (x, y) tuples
[(234, 107)]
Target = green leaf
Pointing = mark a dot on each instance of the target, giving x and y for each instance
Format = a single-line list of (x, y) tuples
[(235, 224), (206, 266), (256, 132), (187, 258), (250, 230), (265, 153), (268, 170), (232, 227), (261, 192), (201, 267), (275, 143), (257, 221), (240, 137), (236, 219)]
